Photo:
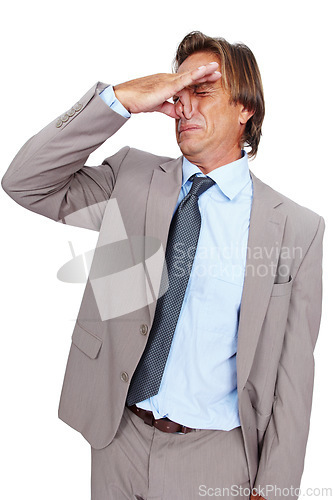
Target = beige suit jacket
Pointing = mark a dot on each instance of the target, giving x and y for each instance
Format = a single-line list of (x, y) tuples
[(281, 301)]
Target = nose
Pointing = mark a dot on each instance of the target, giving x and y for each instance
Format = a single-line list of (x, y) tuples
[(184, 105)]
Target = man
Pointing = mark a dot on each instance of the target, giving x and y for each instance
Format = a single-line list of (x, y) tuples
[(192, 376)]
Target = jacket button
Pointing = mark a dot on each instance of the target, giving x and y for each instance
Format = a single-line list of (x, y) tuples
[(144, 329), (124, 377), (71, 112), (59, 123), (77, 106)]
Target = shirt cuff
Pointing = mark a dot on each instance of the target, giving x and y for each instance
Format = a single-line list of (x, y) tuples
[(110, 99)]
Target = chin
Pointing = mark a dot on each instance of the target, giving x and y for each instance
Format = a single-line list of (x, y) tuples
[(189, 149)]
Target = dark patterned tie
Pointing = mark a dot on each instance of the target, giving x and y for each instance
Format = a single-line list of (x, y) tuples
[(181, 246)]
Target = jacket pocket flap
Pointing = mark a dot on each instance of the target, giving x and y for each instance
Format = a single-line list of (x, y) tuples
[(280, 289), (86, 341)]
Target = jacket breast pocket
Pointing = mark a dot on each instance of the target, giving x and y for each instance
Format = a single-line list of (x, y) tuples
[(86, 341), (282, 288)]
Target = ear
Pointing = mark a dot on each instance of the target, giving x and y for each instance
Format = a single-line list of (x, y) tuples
[(244, 115)]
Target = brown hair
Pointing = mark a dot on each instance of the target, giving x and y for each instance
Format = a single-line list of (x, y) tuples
[(240, 77)]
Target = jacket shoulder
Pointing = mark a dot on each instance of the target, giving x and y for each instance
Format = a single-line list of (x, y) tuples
[(137, 157)]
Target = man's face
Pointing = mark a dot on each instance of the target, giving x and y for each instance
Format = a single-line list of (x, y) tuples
[(209, 128)]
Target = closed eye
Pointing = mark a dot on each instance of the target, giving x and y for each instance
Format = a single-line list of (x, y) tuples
[(176, 98)]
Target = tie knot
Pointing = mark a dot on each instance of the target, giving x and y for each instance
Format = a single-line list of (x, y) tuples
[(200, 184)]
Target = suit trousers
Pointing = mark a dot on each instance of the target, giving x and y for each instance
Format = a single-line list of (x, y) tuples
[(143, 462)]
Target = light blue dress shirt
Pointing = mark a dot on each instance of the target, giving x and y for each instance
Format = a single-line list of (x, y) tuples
[(199, 384)]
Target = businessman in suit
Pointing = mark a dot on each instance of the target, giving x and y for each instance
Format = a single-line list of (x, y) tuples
[(190, 371)]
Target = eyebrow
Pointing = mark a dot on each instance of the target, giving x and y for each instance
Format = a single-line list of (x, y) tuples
[(204, 85), (195, 86)]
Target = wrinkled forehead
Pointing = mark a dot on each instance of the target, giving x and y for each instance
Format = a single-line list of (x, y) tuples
[(198, 59)]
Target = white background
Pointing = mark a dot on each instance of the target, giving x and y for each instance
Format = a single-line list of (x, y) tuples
[(51, 55)]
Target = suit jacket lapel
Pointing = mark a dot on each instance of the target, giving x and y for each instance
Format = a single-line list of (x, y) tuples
[(162, 197), (264, 244)]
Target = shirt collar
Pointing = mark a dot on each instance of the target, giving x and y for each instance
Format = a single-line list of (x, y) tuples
[(230, 178)]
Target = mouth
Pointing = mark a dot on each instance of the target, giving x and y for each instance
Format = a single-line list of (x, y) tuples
[(188, 128)]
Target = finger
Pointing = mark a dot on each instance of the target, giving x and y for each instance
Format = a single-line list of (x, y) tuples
[(199, 75), (205, 70), (210, 78), (168, 109)]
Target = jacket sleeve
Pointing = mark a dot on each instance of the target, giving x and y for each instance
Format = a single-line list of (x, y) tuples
[(282, 458), (48, 175)]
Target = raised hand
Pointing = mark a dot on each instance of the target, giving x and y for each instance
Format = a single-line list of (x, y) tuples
[(151, 93)]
